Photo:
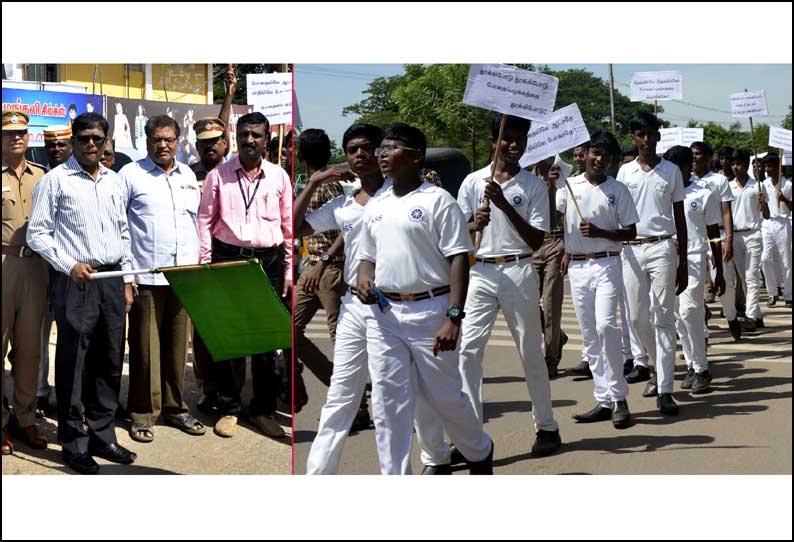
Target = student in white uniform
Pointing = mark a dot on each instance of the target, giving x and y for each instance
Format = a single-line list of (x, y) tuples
[(414, 247), (593, 241), (776, 231), (344, 213), (750, 205), (512, 226), (654, 274), (703, 216)]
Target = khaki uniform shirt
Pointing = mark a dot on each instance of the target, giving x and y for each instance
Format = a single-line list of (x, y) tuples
[(18, 200)]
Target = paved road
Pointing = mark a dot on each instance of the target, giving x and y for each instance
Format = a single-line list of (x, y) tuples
[(743, 427), (172, 452)]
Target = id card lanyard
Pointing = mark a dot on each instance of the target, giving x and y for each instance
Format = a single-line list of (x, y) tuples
[(247, 201)]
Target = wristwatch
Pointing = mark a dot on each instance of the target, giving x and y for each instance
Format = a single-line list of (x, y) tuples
[(455, 313), (325, 257)]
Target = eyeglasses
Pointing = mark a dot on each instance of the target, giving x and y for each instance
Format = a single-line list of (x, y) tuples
[(158, 140), (388, 149), (14, 133), (84, 139), (59, 144)]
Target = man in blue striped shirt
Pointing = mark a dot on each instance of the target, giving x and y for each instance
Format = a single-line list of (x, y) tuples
[(79, 226), (162, 198)]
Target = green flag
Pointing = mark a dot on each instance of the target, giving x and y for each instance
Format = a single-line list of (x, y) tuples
[(234, 308)]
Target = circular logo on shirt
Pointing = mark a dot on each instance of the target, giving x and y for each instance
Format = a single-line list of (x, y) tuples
[(611, 199), (417, 214), (482, 200), (347, 227), (693, 204), (711, 185), (517, 200), (661, 187)]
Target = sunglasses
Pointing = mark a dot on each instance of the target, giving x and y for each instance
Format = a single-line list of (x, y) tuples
[(85, 139), (158, 140), (388, 149)]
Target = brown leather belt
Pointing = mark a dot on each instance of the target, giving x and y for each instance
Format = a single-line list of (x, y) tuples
[(595, 255), (417, 297), (649, 239), (504, 259), (18, 251)]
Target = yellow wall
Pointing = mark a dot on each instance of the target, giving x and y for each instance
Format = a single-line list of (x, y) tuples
[(185, 83)]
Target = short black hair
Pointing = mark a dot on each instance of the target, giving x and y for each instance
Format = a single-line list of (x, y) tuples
[(771, 158), (253, 119), (644, 120), (314, 148), (511, 122), (361, 129), (606, 141), (631, 150), (680, 156), (703, 147), (741, 155), (160, 121), (409, 135), (89, 120), (725, 152), (584, 146)]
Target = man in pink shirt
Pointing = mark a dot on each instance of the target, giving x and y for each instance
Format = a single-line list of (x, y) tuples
[(245, 212)]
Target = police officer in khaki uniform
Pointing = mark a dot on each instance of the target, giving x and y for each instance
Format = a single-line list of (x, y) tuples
[(24, 281)]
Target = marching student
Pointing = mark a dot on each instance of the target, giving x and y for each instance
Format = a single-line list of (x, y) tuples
[(593, 241), (703, 215), (414, 246), (650, 268), (344, 213), (776, 231), (750, 206)]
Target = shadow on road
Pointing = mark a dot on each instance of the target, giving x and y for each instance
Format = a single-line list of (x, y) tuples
[(495, 409)]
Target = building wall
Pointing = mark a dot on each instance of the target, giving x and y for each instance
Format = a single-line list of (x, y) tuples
[(184, 83)]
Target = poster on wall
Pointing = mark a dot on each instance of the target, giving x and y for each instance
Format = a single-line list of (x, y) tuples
[(48, 108), (127, 119)]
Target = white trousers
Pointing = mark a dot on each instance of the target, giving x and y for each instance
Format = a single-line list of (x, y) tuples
[(690, 314), (348, 382), (747, 247), (514, 288), (396, 340), (632, 346), (649, 273), (776, 235), (596, 291)]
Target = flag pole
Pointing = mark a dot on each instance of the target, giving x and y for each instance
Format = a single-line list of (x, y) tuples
[(113, 274)]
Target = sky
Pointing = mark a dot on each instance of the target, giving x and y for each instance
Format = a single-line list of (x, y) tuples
[(323, 90)]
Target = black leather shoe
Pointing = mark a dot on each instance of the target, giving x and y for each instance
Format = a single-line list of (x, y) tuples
[(583, 369), (620, 414), (114, 453), (735, 328), (551, 367), (598, 414), (748, 325), (547, 443), (687, 383), (651, 389), (437, 469), (455, 457), (628, 366), (666, 404), (771, 301), (483, 467), (81, 463), (701, 382), (759, 323), (638, 374)]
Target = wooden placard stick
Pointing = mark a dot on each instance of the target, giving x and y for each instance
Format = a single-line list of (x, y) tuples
[(493, 173)]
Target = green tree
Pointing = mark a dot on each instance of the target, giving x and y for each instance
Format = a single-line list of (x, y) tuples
[(787, 121)]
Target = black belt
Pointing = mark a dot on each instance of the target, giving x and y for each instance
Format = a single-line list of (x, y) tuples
[(744, 230), (504, 259), (248, 252), (417, 297), (649, 239), (103, 268), (595, 255)]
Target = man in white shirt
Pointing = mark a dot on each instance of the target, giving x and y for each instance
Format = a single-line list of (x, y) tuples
[(702, 208), (650, 266), (512, 226), (601, 216), (776, 231), (414, 246), (750, 205)]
